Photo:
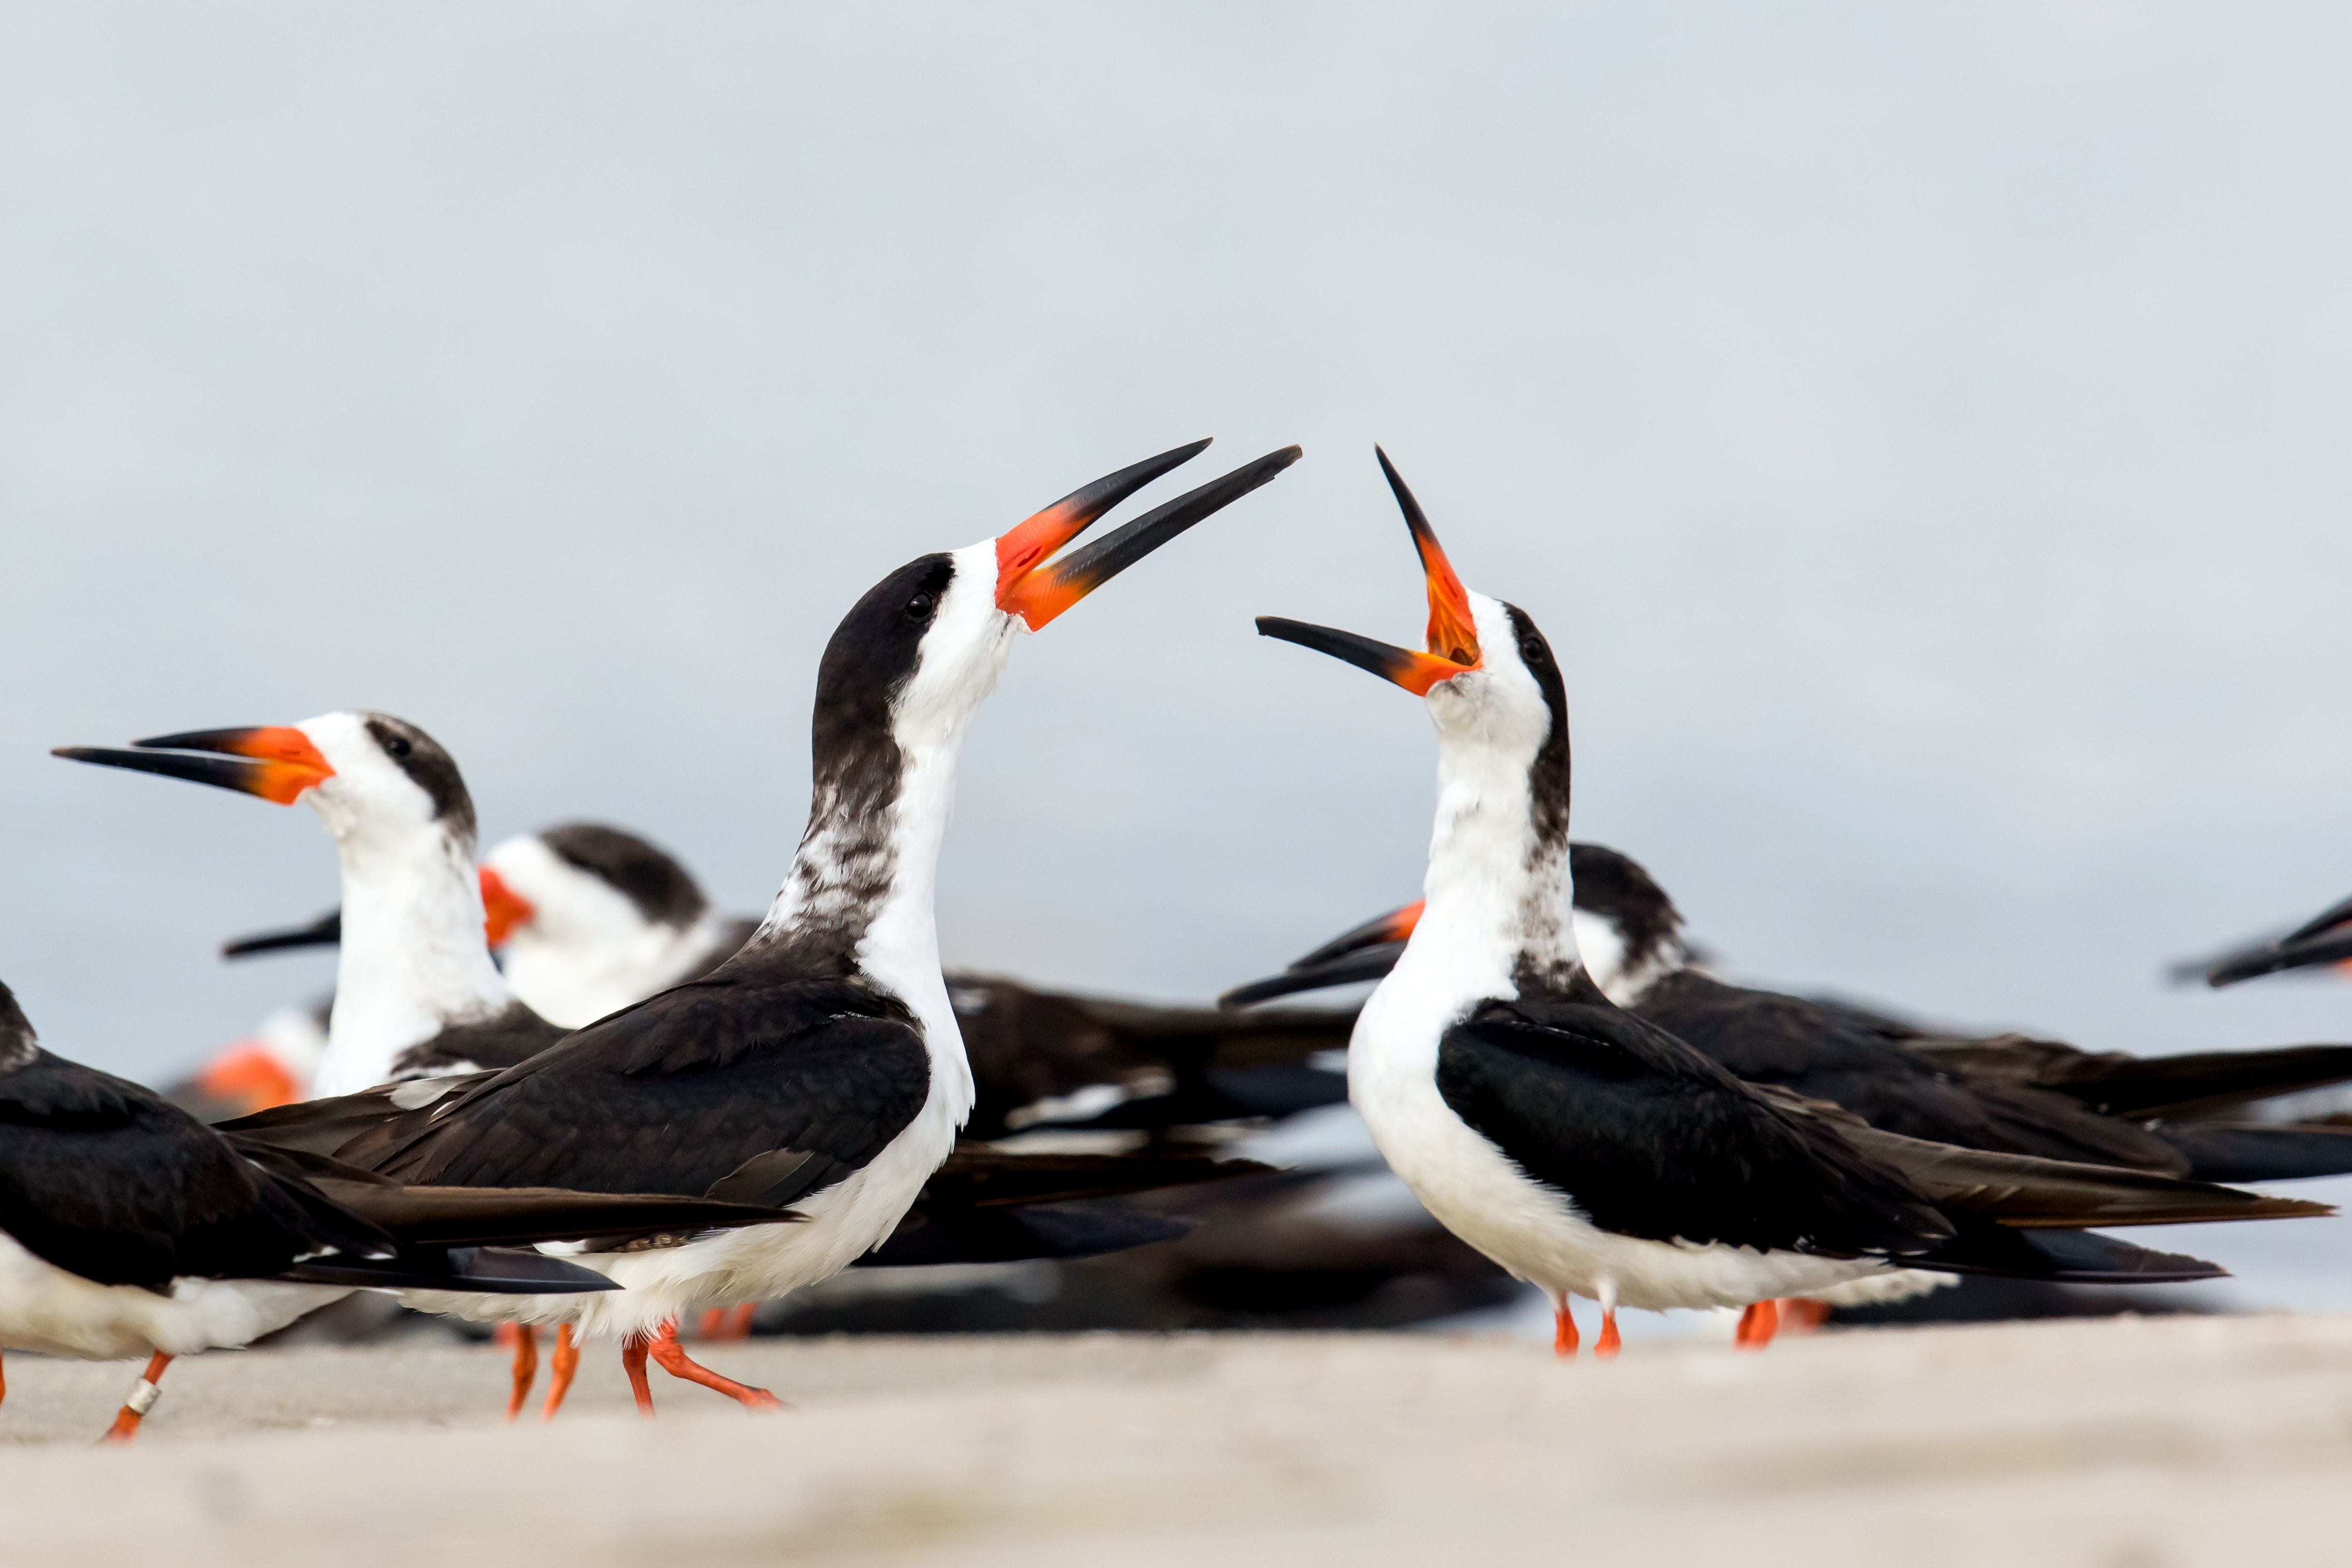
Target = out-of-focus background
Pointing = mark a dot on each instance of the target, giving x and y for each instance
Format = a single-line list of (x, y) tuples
[(1918, 428)]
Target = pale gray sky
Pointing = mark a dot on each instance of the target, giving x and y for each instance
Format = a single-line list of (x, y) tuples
[(1920, 429)]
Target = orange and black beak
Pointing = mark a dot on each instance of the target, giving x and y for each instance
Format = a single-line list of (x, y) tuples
[(276, 761), (1397, 925), (1366, 953), (1036, 589), (1452, 635), (503, 909)]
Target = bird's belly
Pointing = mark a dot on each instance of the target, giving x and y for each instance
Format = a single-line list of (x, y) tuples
[(43, 1307), (1537, 1233)]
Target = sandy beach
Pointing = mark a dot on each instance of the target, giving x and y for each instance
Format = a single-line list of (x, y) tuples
[(2117, 1444)]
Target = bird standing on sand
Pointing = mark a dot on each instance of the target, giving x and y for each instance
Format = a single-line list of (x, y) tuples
[(1593, 1153), (820, 1066)]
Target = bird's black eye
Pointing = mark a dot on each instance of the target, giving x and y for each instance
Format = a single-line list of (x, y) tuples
[(1533, 652), (920, 606), (398, 745)]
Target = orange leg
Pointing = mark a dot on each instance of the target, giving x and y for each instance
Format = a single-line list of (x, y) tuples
[(560, 1368), (1606, 1347), (673, 1359), (726, 1323), (1803, 1315), (144, 1394), (1564, 1333), (633, 1362), (1757, 1324), (525, 1367), (3, 1384)]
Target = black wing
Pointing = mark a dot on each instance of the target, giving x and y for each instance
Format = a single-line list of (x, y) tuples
[(2261, 1152), (1027, 1045), (103, 1179), (373, 1116), (740, 1086), (508, 1039), (2191, 1084), (1856, 1060), (1650, 1139)]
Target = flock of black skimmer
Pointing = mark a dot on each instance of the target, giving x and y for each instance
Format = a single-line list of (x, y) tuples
[(558, 1090)]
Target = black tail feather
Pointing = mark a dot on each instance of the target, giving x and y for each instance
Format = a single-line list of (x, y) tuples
[(2071, 1256), (483, 1271), (2234, 1152), (977, 1175), (2196, 1083)]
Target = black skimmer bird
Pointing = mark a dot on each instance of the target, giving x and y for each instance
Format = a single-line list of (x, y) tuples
[(820, 1067), (588, 918), (1891, 1075), (416, 995), (1589, 1151), (129, 1228)]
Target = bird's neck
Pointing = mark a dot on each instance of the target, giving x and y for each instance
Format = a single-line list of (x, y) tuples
[(858, 901), (1497, 892), (414, 960)]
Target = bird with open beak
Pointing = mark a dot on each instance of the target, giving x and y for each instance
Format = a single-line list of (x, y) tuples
[(822, 1060), (1589, 1151)]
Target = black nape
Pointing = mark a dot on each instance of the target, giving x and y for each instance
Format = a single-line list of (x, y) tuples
[(430, 768), (649, 877)]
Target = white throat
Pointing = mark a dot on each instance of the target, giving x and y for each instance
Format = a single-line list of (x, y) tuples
[(1498, 895), (1494, 901), (414, 958)]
